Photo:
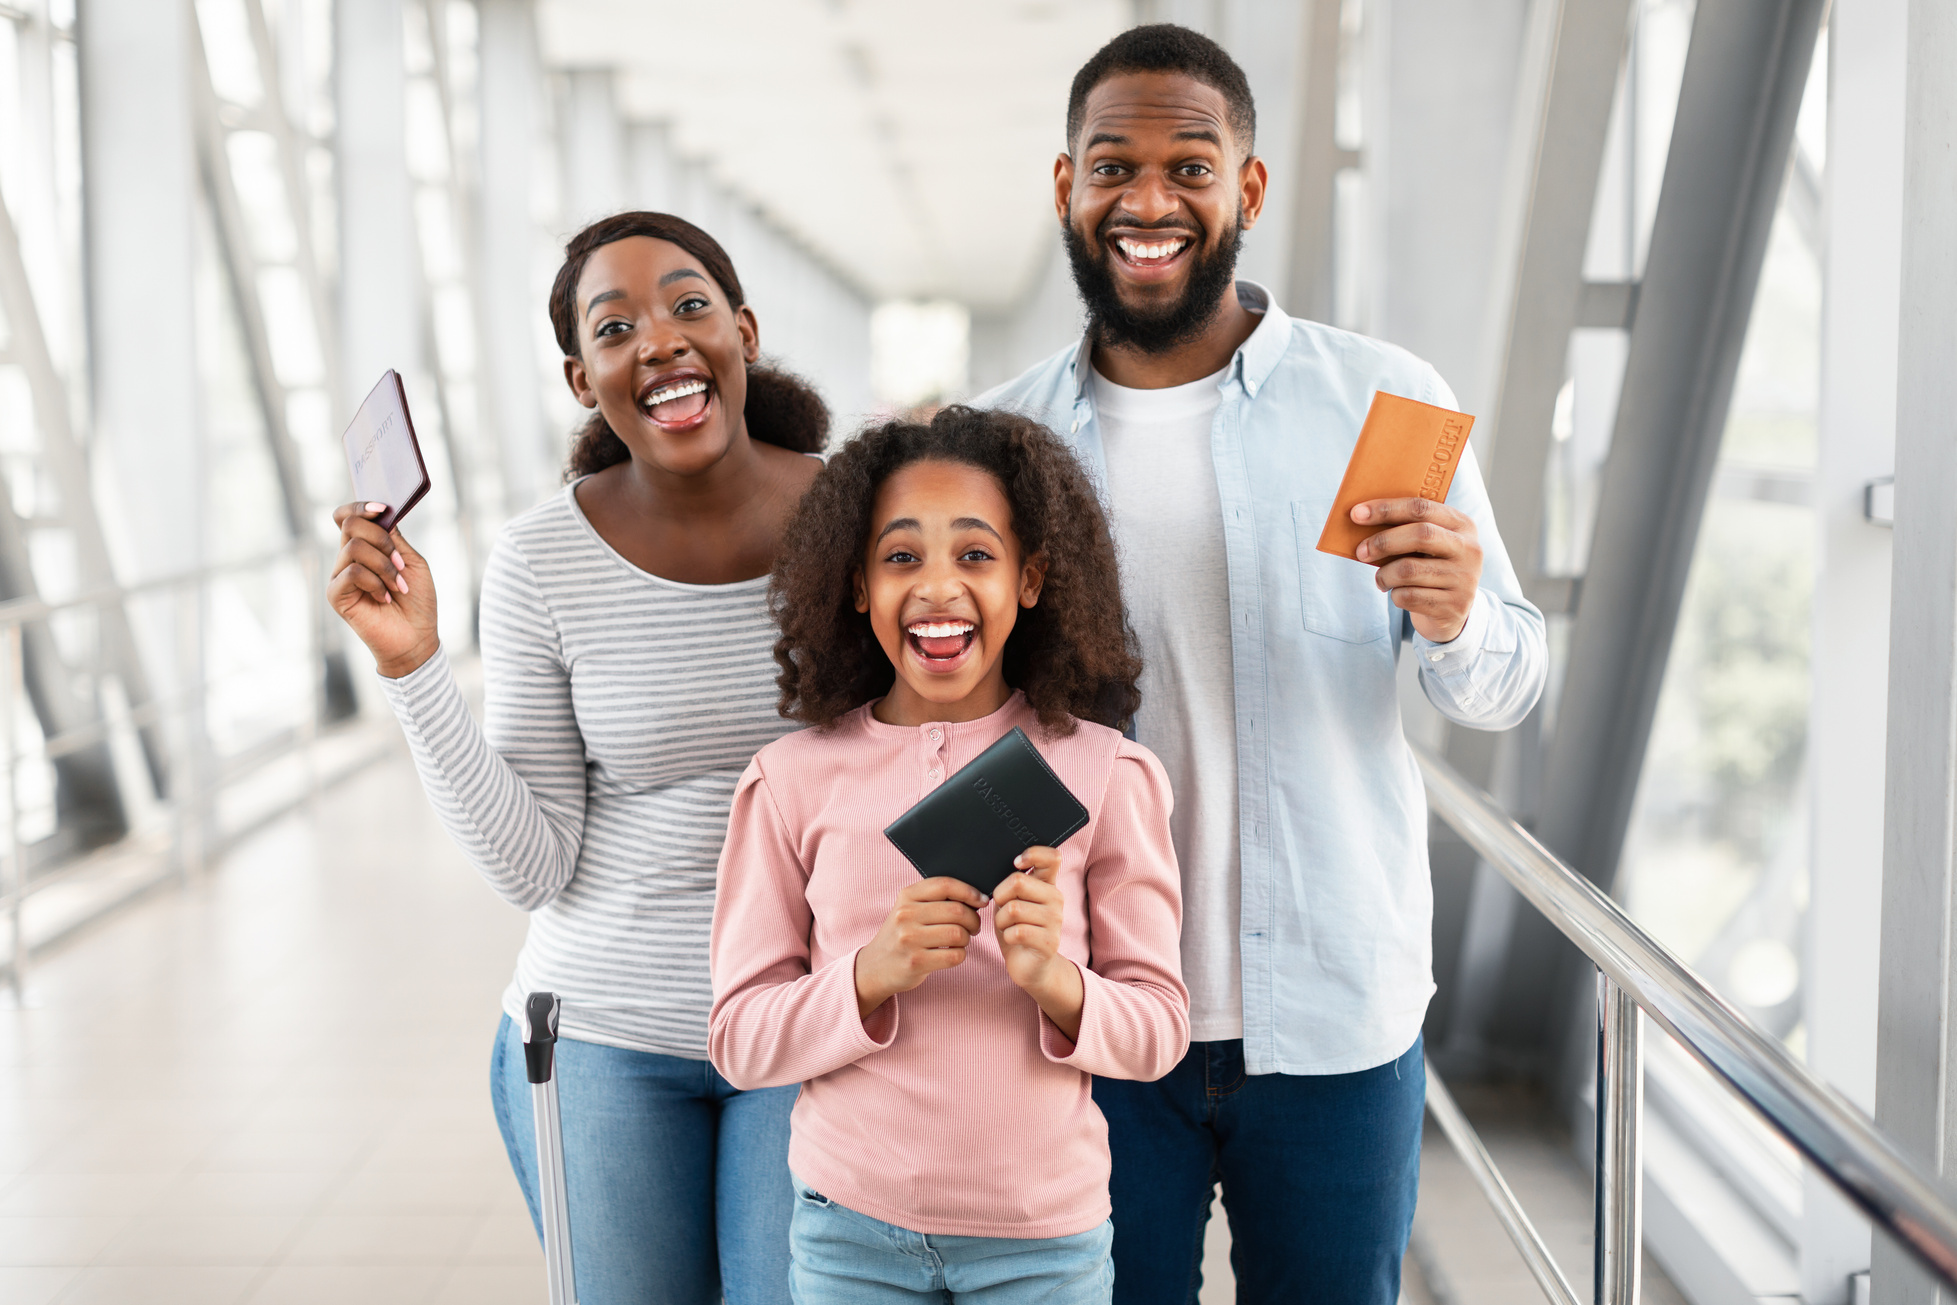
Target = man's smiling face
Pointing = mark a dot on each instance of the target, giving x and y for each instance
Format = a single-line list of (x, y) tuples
[(1155, 198)]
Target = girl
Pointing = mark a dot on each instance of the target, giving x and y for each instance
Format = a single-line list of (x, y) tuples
[(940, 585), (625, 637)]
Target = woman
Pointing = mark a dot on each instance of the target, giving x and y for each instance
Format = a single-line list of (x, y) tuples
[(626, 648)]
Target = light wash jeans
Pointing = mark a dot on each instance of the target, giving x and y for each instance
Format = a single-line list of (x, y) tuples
[(677, 1183), (846, 1258)]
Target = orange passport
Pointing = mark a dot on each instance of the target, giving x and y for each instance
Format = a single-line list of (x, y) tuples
[(1405, 450)]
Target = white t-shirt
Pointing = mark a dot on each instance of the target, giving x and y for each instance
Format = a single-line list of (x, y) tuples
[(1168, 526)]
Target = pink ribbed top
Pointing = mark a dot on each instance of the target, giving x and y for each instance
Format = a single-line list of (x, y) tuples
[(957, 1107)]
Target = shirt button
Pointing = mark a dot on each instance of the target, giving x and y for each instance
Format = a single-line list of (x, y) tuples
[(937, 736), (936, 774), (1435, 655)]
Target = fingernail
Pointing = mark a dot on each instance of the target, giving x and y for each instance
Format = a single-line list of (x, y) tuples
[(386, 597), (1362, 513), (377, 507), (399, 565), (403, 582)]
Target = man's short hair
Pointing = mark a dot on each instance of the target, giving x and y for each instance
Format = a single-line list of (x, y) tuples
[(1167, 47)]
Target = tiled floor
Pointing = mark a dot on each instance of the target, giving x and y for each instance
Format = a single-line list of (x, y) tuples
[(271, 1087)]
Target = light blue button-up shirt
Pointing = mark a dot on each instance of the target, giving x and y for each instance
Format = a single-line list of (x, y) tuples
[(1336, 932)]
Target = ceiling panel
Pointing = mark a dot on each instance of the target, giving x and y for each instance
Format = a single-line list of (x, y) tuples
[(909, 141)]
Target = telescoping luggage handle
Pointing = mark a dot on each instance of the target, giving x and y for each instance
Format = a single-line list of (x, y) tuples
[(539, 1059)]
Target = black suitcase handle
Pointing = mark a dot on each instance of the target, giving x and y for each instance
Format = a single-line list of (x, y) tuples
[(540, 1034), (540, 1012)]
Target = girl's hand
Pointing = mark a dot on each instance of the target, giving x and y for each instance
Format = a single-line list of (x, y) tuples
[(382, 588), (926, 931), (1027, 912)]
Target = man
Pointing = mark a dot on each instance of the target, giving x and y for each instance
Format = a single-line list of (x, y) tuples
[(1219, 429)]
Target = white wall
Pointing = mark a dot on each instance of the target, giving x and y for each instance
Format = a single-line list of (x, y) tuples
[(1047, 319), (140, 181), (1436, 139)]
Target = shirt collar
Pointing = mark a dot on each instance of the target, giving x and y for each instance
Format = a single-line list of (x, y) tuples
[(1256, 358)]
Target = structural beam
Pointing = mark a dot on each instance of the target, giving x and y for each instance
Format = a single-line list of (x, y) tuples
[(241, 268), (381, 304), (276, 65), (509, 290), (653, 166), (1437, 136), (1916, 1032), (591, 143), (465, 469), (1861, 268), (335, 699), (139, 173), (1745, 73), (1570, 53), (281, 78), (1268, 42), (1573, 50), (1438, 129), (1310, 283)]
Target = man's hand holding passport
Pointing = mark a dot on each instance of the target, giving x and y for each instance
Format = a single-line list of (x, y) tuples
[(1391, 513)]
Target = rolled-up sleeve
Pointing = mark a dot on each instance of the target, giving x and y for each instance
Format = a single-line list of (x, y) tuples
[(1134, 1019), (1490, 674), (774, 1021)]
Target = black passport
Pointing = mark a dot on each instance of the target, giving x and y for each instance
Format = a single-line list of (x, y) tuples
[(383, 453), (1007, 800)]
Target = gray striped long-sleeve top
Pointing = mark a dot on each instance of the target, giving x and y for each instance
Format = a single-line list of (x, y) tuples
[(619, 711)]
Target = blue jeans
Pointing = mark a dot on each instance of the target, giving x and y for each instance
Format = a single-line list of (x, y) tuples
[(846, 1258), (677, 1184), (1319, 1177)]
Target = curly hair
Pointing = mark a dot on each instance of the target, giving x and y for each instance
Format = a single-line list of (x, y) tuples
[(1072, 654), (781, 408)]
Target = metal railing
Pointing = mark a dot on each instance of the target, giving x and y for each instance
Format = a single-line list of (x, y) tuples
[(178, 708), (1637, 973)]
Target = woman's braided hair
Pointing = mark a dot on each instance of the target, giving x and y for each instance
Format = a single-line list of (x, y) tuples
[(1072, 654)]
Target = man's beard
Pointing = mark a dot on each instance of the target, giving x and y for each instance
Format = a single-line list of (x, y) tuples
[(1153, 330)]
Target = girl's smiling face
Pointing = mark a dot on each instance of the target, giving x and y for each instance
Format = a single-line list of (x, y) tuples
[(662, 354), (942, 581)]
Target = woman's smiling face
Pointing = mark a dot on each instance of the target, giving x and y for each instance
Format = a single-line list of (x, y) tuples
[(943, 580), (663, 354)]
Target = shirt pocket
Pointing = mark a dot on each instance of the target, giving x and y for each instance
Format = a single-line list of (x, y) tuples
[(1337, 596)]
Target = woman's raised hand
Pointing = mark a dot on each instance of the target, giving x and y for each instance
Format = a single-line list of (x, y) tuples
[(927, 930), (382, 588), (1028, 909)]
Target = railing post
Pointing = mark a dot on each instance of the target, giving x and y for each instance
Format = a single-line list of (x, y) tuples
[(11, 693), (1620, 1167), (194, 815)]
